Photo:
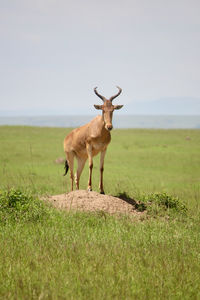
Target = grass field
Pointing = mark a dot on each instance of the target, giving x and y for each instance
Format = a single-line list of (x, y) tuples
[(48, 254)]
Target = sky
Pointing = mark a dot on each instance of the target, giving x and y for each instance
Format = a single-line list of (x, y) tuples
[(54, 52)]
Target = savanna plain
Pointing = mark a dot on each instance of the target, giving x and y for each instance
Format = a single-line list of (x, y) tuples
[(46, 253)]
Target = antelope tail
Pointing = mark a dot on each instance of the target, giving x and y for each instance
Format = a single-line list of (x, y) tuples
[(66, 167)]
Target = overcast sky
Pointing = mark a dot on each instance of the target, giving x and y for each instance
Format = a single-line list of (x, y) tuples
[(54, 52)]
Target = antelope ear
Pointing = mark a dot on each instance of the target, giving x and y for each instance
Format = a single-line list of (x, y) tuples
[(98, 106), (118, 106)]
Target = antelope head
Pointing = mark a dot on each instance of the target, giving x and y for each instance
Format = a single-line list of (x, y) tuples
[(108, 108)]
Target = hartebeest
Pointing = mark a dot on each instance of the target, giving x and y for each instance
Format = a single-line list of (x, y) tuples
[(90, 139)]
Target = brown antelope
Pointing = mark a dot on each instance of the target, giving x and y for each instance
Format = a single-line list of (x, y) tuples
[(90, 139)]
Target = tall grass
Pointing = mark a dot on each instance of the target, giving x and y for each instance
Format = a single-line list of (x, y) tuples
[(48, 254), (91, 256)]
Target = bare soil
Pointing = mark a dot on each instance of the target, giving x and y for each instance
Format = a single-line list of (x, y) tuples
[(82, 200)]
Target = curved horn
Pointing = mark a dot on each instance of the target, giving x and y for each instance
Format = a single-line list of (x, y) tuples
[(100, 96), (113, 97)]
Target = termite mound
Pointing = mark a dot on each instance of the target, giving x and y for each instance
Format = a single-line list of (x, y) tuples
[(90, 201)]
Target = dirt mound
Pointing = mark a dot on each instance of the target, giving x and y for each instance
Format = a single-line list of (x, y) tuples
[(93, 201)]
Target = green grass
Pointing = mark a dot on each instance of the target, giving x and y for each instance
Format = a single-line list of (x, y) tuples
[(85, 256), (48, 254)]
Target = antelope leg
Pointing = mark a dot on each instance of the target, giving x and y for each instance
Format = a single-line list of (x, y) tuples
[(89, 152), (103, 153)]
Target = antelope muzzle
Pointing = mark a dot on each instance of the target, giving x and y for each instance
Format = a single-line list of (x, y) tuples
[(109, 127)]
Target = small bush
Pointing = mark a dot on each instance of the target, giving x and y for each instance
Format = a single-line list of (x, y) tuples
[(17, 205), (161, 202)]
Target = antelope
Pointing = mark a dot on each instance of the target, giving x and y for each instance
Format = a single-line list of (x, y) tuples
[(90, 139)]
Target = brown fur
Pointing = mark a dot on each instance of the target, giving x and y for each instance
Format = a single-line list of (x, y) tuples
[(90, 139)]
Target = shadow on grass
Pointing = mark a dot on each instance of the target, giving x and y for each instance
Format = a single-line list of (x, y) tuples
[(139, 206)]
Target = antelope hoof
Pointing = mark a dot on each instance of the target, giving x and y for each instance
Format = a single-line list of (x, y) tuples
[(89, 189), (102, 192)]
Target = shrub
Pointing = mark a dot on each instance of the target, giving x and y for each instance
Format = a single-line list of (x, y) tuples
[(159, 203), (17, 205)]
